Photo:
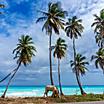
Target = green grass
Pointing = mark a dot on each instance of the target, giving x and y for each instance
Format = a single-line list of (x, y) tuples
[(78, 98), (63, 99)]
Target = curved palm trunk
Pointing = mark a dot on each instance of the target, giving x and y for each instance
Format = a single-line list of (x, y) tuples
[(7, 76), (59, 78), (3, 96), (76, 73), (50, 60), (79, 84)]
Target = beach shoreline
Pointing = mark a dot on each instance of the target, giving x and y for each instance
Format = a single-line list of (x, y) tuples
[(38, 91), (72, 99)]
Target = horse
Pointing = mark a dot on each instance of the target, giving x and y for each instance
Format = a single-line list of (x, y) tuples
[(52, 88)]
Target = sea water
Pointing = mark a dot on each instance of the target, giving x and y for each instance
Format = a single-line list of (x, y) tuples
[(38, 91)]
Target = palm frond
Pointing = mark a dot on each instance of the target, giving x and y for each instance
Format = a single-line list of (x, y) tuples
[(24, 50), (60, 48), (41, 19), (74, 28)]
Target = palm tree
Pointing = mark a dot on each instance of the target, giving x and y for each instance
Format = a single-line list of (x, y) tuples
[(59, 52), (79, 67), (99, 40), (99, 28), (99, 59), (73, 30), (53, 21), (23, 53)]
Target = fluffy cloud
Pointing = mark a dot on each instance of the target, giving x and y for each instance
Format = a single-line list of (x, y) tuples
[(17, 21)]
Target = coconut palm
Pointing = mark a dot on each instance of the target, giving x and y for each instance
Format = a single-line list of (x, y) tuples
[(99, 28), (79, 68), (99, 40), (23, 53), (59, 52), (73, 29), (53, 21), (99, 59)]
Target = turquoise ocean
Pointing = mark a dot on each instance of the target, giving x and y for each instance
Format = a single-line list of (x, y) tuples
[(30, 91)]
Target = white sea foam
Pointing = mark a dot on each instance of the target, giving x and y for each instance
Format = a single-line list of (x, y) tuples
[(22, 94)]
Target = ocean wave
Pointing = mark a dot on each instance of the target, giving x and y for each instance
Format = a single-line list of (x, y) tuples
[(22, 94)]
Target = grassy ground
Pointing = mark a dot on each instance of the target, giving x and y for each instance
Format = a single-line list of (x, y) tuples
[(49, 100)]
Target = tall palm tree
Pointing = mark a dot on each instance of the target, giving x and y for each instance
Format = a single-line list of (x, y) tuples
[(53, 21), (99, 59), (59, 52), (80, 67), (23, 53), (99, 28), (73, 29)]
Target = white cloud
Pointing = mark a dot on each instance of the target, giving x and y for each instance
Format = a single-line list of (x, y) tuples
[(40, 65)]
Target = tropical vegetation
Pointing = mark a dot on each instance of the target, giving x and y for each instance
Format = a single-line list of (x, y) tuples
[(99, 28), (53, 21), (73, 30), (23, 53), (63, 99), (99, 59), (99, 31), (59, 52), (79, 68)]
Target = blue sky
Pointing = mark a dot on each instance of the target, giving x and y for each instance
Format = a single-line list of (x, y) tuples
[(19, 18)]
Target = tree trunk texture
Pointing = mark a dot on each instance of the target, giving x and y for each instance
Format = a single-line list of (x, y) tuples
[(61, 93), (50, 60), (76, 72), (3, 96)]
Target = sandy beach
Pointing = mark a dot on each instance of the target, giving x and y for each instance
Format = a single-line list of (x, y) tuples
[(22, 101), (94, 102), (39, 101), (75, 99)]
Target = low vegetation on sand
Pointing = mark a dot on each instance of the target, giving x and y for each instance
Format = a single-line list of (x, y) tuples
[(50, 100)]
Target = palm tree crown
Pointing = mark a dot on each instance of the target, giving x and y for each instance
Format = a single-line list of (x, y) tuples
[(80, 65), (60, 48), (24, 50), (53, 18), (99, 58), (99, 28), (99, 40), (74, 27), (102, 13), (99, 24)]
